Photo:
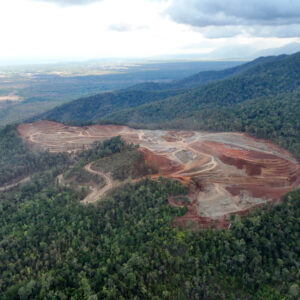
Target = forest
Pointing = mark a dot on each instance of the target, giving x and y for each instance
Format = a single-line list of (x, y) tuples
[(17, 161), (260, 98), (126, 247), (128, 163)]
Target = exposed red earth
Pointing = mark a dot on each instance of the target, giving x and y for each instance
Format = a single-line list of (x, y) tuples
[(227, 172)]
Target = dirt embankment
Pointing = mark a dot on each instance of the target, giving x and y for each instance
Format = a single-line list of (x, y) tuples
[(232, 172)]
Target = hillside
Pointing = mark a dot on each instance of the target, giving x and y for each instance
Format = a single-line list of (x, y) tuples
[(102, 105), (201, 78), (232, 172), (141, 238), (99, 106), (30, 90), (263, 80), (126, 245), (261, 96), (204, 77)]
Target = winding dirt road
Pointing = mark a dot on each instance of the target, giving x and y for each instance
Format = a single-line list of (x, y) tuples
[(96, 192), (231, 172), (10, 186)]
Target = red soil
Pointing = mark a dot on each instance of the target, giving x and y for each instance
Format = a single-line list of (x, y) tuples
[(231, 172), (160, 162)]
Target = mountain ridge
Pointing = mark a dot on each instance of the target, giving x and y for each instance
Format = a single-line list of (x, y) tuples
[(266, 84)]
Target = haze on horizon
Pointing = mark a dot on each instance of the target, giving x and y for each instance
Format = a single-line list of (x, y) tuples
[(41, 31)]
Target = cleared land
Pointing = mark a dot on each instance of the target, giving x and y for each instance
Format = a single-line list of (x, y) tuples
[(227, 172)]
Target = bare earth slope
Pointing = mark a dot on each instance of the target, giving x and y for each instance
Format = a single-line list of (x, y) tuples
[(227, 172)]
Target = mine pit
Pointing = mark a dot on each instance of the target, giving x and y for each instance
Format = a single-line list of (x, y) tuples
[(235, 171)]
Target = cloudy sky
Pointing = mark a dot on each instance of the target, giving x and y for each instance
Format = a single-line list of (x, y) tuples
[(37, 30)]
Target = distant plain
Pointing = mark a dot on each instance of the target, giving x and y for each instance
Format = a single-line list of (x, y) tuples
[(42, 87)]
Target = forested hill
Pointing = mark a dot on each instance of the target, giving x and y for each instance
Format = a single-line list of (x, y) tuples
[(261, 98), (201, 78), (99, 106), (124, 246), (268, 79)]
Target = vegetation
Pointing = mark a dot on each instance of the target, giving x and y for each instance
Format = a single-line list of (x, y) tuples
[(20, 162), (127, 164), (263, 101), (17, 161), (102, 105), (260, 98), (82, 177), (276, 118), (55, 84), (99, 106), (121, 160), (126, 248), (102, 149)]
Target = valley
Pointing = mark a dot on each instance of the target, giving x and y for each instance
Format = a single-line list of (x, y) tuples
[(226, 172)]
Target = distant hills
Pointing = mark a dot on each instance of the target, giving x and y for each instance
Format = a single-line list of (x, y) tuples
[(287, 49), (241, 51), (261, 97), (101, 105)]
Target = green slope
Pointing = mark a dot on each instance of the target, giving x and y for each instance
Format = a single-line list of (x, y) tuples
[(260, 97), (125, 247), (264, 80), (101, 105), (264, 101), (204, 77)]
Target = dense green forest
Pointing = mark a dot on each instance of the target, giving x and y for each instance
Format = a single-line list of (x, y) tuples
[(101, 105), (123, 165), (17, 161), (79, 175), (260, 98), (276, 118), (122, 161), (98, 106), (126, 247), (51, 85)]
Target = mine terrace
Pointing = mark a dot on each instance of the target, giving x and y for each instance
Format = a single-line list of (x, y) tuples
[(226, 172)]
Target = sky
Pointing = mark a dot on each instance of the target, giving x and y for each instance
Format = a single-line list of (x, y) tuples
[(58, 30)]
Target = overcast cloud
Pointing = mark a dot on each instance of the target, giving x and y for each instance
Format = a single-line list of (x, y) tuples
[(256, 17), (70, 2)]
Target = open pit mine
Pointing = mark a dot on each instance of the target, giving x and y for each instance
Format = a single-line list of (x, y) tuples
[(227, 173)]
